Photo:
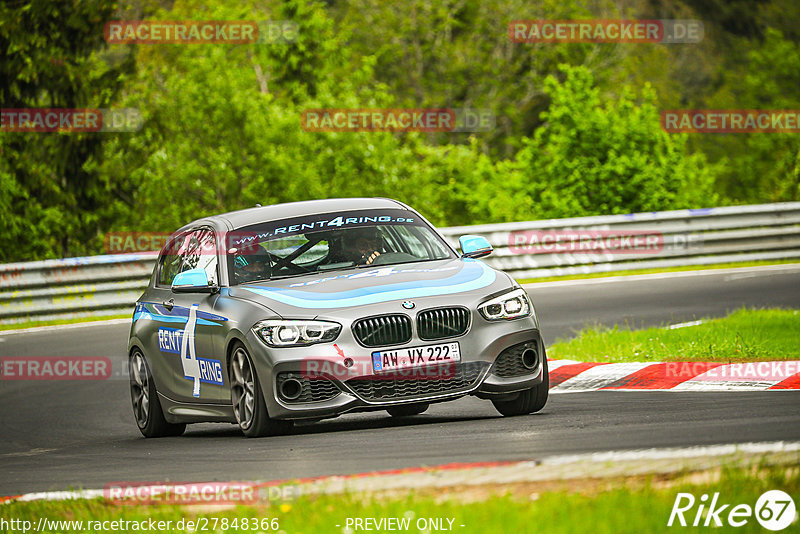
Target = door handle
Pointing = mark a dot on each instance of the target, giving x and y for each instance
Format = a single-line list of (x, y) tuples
[(169, 304)]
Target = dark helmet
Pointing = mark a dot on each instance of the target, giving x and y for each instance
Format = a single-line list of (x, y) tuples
[(251, 262)]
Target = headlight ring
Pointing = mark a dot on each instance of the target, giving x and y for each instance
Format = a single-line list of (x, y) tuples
[(296, 333)]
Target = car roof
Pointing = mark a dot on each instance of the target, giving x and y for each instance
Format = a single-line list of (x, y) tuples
[(246, 217)]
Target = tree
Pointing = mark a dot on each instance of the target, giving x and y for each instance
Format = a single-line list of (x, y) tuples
[(223, 125), (457, 53), (764, 166), (51, 199), (593, 157)]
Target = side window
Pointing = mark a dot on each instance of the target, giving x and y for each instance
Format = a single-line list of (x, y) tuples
[(170, 262), (206, 253), (194, 250)]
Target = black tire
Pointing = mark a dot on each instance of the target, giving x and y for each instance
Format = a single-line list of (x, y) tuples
[(407, 410), (529, 401), (146, 407), (247, 398)]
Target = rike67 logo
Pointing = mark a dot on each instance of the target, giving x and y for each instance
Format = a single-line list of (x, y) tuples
[(774, 510)]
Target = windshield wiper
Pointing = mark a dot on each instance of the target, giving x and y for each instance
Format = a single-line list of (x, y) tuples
[(281, 277)]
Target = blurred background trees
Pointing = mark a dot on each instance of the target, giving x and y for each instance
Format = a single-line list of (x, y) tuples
[(577, 129)]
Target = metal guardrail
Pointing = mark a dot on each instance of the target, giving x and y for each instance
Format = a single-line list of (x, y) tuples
[(110, 284), (684, 237), (73, 287)]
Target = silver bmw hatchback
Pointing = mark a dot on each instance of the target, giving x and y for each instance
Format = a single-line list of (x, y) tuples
[(309, 310)]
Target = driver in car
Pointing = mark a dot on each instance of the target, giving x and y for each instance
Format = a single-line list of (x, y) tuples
[(251, 264), (360, 246)]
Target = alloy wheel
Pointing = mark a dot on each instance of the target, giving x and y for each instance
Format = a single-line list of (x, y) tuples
[(140, 389), (242, 388)]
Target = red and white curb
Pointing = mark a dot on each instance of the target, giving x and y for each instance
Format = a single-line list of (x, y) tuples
[(563, 467), (567, 376)]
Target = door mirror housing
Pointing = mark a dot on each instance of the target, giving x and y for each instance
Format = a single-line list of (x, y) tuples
[(474, 246), (193, 281)]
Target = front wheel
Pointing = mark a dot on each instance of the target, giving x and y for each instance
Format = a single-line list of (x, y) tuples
[(144, 398), (248, 400), (529, 401)]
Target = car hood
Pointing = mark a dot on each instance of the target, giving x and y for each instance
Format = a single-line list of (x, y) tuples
[(324, 292)]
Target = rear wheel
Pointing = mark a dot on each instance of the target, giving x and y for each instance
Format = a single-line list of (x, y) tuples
[(144, 398), (529, 401), (248, 400), (407, 410)]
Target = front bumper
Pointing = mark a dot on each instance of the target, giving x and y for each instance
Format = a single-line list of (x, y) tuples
[(490, 366)]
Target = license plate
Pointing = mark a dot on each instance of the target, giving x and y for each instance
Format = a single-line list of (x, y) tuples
[(389, 360)]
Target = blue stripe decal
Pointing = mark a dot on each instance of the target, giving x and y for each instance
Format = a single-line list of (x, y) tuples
[(180, 311), (179, 314), (473, 275)]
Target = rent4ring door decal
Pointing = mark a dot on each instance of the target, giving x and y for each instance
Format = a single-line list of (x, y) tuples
[(182, 342)]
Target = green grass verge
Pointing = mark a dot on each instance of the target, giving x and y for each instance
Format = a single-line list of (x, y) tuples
[(744, 335), (33, 324), (606, 508), (653, 271)]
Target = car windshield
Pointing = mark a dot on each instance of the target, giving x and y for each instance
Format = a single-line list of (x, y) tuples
[(330, 242)]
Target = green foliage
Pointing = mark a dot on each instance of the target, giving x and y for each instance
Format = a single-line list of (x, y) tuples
[(457, 53), (50, 202), (223, 129), (766, 165), (593, 157), (577, 132)]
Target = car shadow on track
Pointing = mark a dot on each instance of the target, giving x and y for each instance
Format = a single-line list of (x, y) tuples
[(347, 423)]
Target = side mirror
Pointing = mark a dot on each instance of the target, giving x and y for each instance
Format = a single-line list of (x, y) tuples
[(474, 246), (192, 281)]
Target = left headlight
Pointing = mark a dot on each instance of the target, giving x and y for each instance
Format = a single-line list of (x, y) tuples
[(287, 333), (512, 305)]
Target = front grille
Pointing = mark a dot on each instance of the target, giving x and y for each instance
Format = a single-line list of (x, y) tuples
[(383, 330), (441, 323), (391, 386), (509, 362), (313, 389)]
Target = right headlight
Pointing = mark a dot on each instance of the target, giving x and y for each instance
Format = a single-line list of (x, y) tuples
[(293, 333), (512, 305)]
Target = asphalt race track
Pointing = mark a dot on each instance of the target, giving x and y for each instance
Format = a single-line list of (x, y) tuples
[(57, 435)]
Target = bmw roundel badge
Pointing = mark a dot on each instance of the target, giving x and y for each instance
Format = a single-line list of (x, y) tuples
[(409, 305)]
